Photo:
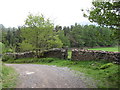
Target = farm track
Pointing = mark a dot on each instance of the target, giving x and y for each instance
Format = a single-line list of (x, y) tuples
[(44, 76)]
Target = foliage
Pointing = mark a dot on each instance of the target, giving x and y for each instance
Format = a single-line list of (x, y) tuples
[(86, 36), (9, 77), (65, 40), (55, 42), (11, 39), (32, 37), (7, 57), (1, 45), (38, 33), (24, 46), (3, 49), (105, 14), (90, 36)]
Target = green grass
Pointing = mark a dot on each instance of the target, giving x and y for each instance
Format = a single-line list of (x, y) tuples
[(69, 54), (1, 45), (112, 49), (9, 77), (0, 73), (104, 73)]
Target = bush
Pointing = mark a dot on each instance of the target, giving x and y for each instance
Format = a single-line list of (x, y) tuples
[(7, 57)]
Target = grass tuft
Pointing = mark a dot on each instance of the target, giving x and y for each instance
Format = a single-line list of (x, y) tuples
[(9, 77)]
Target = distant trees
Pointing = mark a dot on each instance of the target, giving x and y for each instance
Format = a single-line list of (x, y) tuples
[(40, 34), (87, 36), (65, 39), (11, 38)]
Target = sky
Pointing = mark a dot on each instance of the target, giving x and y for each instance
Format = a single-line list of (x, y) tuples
[(61, 12)]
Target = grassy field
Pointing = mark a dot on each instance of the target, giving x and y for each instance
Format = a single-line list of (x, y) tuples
[(112, 49), (9, 77), (104, 73)]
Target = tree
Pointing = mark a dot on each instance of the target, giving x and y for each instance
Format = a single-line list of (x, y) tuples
[(65, 39), (38, 33), (105, 14), (58, 28), (90, 36)]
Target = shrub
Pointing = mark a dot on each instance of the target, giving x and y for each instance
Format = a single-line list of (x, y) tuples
[(7, 57)]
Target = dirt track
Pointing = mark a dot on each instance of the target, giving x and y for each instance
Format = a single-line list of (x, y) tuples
[(44, 76)]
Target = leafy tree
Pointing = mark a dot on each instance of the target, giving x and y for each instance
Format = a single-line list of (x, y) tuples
[(24, 46), (66, 30), (105, 14), (90, 36), (58, 28), (38, 32), (76, 36), (65, 39)]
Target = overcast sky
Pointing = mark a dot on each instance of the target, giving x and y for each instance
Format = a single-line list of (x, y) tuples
[(62, 12)]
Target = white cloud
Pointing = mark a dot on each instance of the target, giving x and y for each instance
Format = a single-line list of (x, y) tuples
[(61, 12)]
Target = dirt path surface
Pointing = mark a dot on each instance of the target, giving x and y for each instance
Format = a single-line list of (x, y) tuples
[(44, 76)]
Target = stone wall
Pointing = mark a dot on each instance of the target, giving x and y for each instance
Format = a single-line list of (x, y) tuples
[(55, 52), (78, 54), (21, 55)]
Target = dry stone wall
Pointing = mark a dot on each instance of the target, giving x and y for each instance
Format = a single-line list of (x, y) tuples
[(78, 54), (21, 55), (55, 52)]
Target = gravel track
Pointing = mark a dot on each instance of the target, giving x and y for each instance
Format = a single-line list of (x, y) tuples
[(44, 76)]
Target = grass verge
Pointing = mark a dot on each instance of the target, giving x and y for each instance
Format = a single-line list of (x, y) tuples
[(105, 73), (9, 77)]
